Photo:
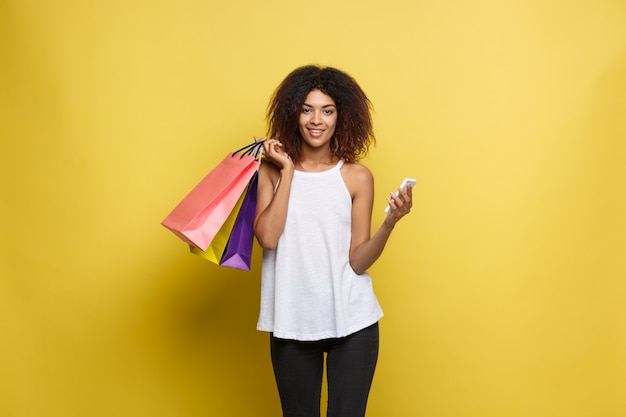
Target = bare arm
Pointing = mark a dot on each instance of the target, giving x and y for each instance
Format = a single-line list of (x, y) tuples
[(365, 250), (271, 213)]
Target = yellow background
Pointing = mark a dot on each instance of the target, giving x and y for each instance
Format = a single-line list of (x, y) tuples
[(503, 291)]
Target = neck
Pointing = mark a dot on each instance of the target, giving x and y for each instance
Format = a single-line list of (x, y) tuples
[(315, 165)]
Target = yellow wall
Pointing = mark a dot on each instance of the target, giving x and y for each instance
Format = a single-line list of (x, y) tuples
[(504, 290)]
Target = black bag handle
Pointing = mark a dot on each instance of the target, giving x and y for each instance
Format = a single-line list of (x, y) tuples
[(254, 149)]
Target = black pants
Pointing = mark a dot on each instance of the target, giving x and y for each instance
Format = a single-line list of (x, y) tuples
[(351, 361)]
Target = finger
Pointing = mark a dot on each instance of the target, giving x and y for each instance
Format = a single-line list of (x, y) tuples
[(278, 148), (266, 148), (402, 202), (272, 143), (394, 201), (406, 195)]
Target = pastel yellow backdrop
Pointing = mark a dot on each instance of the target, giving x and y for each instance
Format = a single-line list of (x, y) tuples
[(503, 291)]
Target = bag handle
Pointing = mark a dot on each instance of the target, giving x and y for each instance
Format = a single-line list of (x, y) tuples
[(254, 150)]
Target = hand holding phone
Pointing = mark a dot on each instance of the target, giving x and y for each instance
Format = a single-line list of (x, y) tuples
[(403, 187)]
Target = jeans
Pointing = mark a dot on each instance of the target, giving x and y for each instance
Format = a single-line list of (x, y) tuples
[(350, 365)]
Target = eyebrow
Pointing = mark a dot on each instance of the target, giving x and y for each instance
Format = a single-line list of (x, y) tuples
[(327, 105)]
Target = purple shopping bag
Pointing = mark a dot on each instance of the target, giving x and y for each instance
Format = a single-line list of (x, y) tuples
[(238, 252)]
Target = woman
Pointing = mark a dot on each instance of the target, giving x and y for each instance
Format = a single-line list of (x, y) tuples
[(313, 220)]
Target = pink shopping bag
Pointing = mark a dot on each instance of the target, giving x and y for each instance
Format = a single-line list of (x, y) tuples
[(200, 215), (215, 250)]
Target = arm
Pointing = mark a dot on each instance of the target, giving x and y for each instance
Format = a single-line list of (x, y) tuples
[(365, 250), (271, 213)]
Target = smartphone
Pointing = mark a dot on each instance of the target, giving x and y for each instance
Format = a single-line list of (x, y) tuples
[(402, 187)]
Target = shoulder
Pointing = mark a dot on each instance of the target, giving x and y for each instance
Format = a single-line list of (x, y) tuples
[(268, 171), (358, 178), (357, 172)]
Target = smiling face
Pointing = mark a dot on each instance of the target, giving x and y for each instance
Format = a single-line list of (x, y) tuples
[(318, 119)]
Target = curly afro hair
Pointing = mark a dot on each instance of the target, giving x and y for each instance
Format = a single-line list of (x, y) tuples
[(353, 133)]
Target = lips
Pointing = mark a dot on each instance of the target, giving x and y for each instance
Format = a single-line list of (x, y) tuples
[(315, 132)]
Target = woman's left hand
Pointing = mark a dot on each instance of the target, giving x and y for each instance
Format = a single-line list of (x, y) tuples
[(400, 204)]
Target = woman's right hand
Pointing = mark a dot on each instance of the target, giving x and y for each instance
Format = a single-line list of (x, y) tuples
[(274, 152)]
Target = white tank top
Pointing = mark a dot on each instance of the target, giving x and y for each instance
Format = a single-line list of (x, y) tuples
[(309, 291)]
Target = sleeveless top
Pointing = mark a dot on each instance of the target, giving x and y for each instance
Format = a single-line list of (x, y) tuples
[(309, 291)]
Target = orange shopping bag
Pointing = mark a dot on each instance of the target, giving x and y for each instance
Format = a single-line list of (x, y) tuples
[(201, 214)]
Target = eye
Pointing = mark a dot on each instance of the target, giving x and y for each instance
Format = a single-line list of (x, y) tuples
[(306, 110), (328, 111)]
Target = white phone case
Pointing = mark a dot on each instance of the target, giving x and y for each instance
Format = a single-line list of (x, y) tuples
[(402, 186)]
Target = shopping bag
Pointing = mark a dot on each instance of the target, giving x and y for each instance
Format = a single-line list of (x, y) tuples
[(200, 215), (238, 251), (215, 250)]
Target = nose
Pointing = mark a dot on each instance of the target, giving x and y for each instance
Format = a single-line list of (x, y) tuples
[(316, 117)]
